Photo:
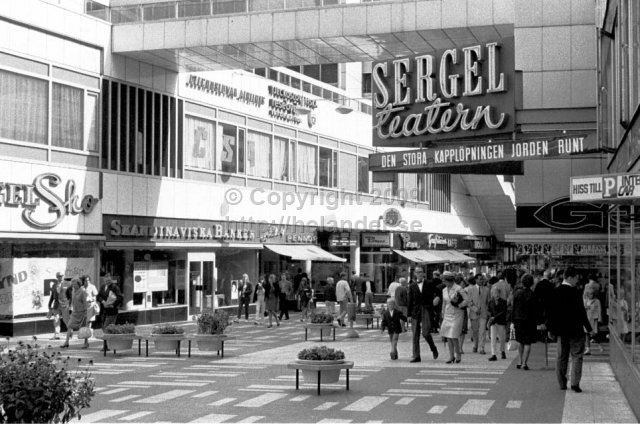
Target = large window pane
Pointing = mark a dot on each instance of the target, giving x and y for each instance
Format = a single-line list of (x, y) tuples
[(67, 117), (200, 143), (325, 167), (307, 163), (363, 174), (281, 159), (348, 172), (258, 154), (227, 149), (23, 108)]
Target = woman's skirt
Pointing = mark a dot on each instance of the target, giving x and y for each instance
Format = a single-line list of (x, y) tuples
[(78, 319)]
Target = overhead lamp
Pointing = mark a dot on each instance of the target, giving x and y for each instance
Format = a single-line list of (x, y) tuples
[(344, 109), (302, 110), (341, 109)]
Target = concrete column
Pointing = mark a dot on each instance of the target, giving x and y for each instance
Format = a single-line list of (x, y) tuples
[(355, 259), (307, 269), (127, 280)]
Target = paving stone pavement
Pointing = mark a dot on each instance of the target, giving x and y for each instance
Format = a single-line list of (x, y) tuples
[(252, 384)]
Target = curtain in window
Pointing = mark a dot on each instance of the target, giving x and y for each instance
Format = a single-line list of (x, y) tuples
[(258, 155), (199, 143), (348, 172), (23, 108), (67, 117), (307, 164), (90, 119), (280, 159)]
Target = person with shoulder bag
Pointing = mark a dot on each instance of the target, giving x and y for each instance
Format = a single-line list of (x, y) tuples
[(111, 303)]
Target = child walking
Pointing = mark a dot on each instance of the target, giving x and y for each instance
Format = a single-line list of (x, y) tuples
[(391, 319), (497, 323), (594, 311)]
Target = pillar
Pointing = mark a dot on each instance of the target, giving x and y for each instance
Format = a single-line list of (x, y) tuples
[(127, 280), (354, 251)]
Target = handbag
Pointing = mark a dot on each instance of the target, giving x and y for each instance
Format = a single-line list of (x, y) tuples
[(84, 333), (513, 345), (111, 299), (456, 299)]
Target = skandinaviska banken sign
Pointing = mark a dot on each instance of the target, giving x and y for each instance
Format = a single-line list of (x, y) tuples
[(458, 93)]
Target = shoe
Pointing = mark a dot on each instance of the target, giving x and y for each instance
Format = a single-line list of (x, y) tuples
[(286, 319), (435, 354), (255, 323), (450, 361), (493, 358), (269, 326), (525, 367), (504, 355), (278, 323), (415, 360), (576, 389), (65, 345), (85, 347), (587, 352), (56, 337), (482, 352), (458, 360), (461, 352), (339, 322), (475, 350), (519, 366)]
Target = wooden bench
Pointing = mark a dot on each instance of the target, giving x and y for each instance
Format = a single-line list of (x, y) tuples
[(369, 319), (346, 365), (311, 326)]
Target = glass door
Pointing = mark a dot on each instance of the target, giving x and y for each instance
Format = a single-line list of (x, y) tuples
[(202, 282)]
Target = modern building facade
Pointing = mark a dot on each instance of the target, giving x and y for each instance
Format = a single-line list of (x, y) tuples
[(175, 184)]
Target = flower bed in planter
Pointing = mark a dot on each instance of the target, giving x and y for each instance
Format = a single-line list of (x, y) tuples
[(320, 356)]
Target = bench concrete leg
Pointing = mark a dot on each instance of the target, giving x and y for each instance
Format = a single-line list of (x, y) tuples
[(321, 334), (139, 347), (222, 347), (146, 344), (189, 354), (319, 374), (178, 350), (347, 379), (305, 334), (104, 347), (334, 334), (297, 379)]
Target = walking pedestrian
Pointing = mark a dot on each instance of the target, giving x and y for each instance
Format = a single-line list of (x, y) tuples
[(422, 298), (594, 313), (473, 308), (259, 299), (524, 316), (453, 299), (245, 289), (304, 293), (285, 292), (402, 299), (93, 308), (497, 323), (78, 318), (343, 296), (54, 305), (484, 296), (392, 320), (272, 296), (568, 321), (330, 296)]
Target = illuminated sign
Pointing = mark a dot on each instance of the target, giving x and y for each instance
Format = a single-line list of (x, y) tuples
[(33, 198), (455, 93)]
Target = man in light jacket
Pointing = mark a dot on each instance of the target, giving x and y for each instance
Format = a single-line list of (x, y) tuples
[(343, 296)]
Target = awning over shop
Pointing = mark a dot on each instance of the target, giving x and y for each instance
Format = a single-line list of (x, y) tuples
[(421, 256), (304, 252), (460, 257), (451, 256)]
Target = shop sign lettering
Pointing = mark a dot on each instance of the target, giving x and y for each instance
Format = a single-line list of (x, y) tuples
[(454, 93), (301, 238), (407, 244), (217, 232), (223, 90), (435, 240), (283, 105), (32, 196), (564, 249)]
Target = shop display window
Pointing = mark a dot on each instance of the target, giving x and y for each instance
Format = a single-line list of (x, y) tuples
[(200, 143)]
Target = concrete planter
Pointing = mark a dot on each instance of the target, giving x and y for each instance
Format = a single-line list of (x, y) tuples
[(166, 342), (209, 342), (328, 376), (119, 341)]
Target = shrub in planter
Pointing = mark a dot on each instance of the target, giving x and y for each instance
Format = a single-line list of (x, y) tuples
[(320, 353), (167, 329), (125, 328), (215, 323), (39, 386), (321, 318)]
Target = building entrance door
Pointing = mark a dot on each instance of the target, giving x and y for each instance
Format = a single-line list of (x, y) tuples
[(202, 281)]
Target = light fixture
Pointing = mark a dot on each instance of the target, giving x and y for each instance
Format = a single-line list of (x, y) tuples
[(344, 109), (302, 110)]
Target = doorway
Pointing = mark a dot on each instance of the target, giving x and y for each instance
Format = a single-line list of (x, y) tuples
[(202, 281)]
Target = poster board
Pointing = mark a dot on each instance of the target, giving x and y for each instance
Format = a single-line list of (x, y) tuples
[(150, 276), (25, 283)]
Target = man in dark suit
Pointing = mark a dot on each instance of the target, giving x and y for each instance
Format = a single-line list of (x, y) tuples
[(422, 299), (568, 321)]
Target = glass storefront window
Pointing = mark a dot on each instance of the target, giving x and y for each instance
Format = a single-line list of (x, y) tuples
[(624, 303)]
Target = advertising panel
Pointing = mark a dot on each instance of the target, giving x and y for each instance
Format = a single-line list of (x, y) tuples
[(610, 188), (25, 283), (457, 93)]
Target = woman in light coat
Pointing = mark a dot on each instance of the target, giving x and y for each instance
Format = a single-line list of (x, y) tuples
[(452, 315)]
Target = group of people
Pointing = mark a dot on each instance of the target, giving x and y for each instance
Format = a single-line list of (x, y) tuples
[(533, 307), (77, 303), (269, 295)]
